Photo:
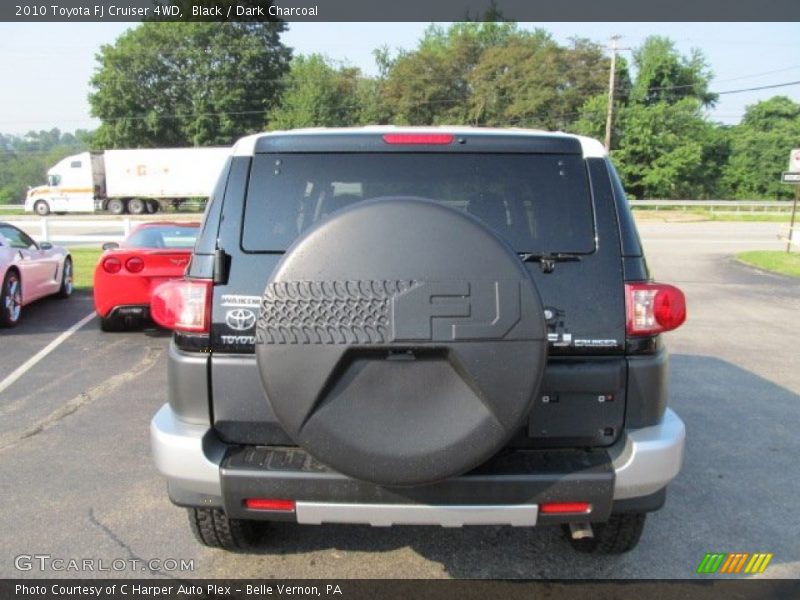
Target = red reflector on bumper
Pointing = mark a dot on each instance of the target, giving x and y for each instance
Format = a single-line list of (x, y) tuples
[(558, 508), (269, 504)]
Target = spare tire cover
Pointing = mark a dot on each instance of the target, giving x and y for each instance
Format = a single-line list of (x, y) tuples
[(401, 342)]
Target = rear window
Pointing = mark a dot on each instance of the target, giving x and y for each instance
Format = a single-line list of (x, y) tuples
[(174, 237), (537, 202)]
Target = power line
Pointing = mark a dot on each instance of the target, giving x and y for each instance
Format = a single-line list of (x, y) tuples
[(763, 87)]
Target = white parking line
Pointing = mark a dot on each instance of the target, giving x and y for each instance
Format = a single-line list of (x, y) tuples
[(28, 364)]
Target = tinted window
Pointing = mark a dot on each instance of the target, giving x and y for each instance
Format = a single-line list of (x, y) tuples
[(537, 202), (167, 236), (15, 237)]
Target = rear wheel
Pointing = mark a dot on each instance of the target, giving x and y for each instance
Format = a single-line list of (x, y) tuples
[(10, 300), (111, 324), (152, 206), (136, 206), (212, 527), (116, 206), (41, 208), (66, 279), (620, 534)]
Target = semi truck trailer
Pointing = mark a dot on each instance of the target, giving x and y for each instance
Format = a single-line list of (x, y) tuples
[(133, 181)]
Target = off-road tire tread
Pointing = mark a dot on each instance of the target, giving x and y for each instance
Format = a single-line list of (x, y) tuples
[(212, 527)]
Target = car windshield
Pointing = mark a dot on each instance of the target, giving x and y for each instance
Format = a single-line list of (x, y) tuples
[(163, 236), (537, 202)]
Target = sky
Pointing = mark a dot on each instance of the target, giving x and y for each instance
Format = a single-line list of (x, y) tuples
[(46, 67)]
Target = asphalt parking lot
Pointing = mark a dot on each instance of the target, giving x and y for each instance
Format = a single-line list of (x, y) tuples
[(78, 481)]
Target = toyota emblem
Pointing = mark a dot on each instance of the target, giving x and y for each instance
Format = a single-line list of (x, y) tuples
[(240, 319)]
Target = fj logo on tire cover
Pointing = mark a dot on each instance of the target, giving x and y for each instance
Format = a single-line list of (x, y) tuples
[(379, 312)]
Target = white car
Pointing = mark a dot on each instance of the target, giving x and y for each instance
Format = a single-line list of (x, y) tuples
[(29, 271)]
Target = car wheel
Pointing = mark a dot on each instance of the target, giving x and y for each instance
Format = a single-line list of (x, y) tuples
[(10, 300), (136, 206), (111, 324), (116, 206), (212, 527), (67, 279), (152, 206), (41, 208), (620, 534)]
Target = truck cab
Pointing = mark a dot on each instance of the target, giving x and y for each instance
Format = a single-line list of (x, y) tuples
[(72, 185)]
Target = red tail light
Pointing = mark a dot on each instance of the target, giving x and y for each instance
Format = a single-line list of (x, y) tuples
[(436, 139), (653, 307), (134, 264), (183, 305), (269, 504), (112, 264), (560, 508)]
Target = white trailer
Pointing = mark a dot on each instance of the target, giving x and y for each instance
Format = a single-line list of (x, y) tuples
[(134, 181)]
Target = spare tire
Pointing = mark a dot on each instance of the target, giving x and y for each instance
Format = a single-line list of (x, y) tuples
[(401, 342)]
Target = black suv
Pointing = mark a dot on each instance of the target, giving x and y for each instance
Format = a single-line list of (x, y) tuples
[(447, 326)]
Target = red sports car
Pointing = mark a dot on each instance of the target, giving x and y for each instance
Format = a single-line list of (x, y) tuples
[(128, 272)]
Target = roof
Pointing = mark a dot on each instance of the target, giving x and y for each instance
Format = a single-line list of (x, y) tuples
[(590, 146)]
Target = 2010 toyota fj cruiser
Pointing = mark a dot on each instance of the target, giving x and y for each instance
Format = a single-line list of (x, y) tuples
[(418, 326)]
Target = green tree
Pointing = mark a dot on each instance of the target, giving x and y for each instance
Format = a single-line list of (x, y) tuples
[(318, 94), (179, 84), (24, 161), (670, 151), (532, 81), (760, 147), (430, 85), (664, 75)]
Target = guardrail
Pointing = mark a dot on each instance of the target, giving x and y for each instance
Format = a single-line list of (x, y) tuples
[(124, 225), (761, 206), (712, 205)]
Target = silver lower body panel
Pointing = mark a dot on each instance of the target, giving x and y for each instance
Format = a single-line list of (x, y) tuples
[(386, 515)]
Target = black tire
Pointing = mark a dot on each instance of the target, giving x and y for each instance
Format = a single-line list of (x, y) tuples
[(67, 282), (10, 300), (212, 527), (136, 206), (41, 208), (620, 534), (152, 206), (111, 324), (116, 206)]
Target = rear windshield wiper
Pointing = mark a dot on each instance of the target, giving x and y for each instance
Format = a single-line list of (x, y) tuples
[(548, 260)]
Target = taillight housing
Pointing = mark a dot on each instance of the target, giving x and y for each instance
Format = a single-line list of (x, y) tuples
[(111, 264), (134, 264), (183, 305), (653, 308)]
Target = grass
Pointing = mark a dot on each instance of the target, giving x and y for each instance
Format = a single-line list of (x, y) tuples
[(707, 215), (84, 261), (776, 261)]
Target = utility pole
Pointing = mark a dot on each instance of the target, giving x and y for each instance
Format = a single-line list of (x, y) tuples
[(611, 82)]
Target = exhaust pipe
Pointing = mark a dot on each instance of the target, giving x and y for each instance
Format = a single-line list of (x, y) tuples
[(581, 531)]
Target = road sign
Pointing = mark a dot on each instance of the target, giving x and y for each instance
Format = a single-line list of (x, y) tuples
[(790, 177)]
